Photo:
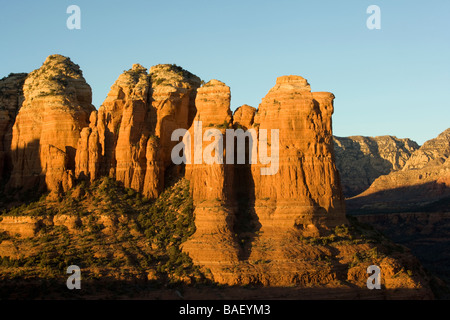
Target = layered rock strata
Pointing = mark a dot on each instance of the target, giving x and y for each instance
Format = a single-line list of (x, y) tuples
[(303, 198), (272, 203), (250, 212), (361, 160), (422, 184), (211, 179), (306, 188), (130, 137)]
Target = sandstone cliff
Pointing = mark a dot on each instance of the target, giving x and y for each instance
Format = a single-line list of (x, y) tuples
[(244, 117), (130, 137), (56, 107), (434, 152), (267, 208), (361, 160), (213, 244), (306, 188), (274, 220)]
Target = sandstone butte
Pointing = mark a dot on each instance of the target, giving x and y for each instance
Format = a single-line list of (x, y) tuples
[(249, 227), (55, 107)]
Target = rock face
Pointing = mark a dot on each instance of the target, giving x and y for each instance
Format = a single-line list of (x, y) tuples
[(306, 187), (434, 152), (244, 117), (287, 185), (213, 244), (303, 198), (11, 98), (130, 137), (56, 107), (361, 160), (296, 194), (422, 184), (51, 135), (262, 201)]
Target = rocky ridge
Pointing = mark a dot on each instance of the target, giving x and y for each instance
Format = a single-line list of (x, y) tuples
[(423, 184), (361, 160)]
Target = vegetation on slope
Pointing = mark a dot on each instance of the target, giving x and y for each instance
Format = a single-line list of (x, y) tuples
[(112, 233)]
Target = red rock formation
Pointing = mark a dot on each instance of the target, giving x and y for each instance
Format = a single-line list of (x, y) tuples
[(134, 128), (243, 116), (305, 192), (302, 197), (213, 244), (131, 140), (56, 107), (89, 151)]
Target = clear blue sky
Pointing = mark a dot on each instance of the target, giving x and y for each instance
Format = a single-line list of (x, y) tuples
[(391, 81)]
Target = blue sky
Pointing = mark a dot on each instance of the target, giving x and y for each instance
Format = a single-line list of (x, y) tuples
[(393, 81)]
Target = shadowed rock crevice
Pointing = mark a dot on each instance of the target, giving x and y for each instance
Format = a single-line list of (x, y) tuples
[(246, 225), (11, 99)]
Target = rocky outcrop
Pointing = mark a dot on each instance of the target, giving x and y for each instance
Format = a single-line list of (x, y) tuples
[(250, 212), (422, 184), (130, 138), (244, 117), (11, 98), (361, 160), (303, 198), (25, 226), (213, 245), (124, 128), (434, 152), (56, 107), (88, 159), (276, 218), (58, 136), (306, 188)]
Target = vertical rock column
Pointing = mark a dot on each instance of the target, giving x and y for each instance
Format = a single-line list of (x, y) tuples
[(304, 196), (213, 245)]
